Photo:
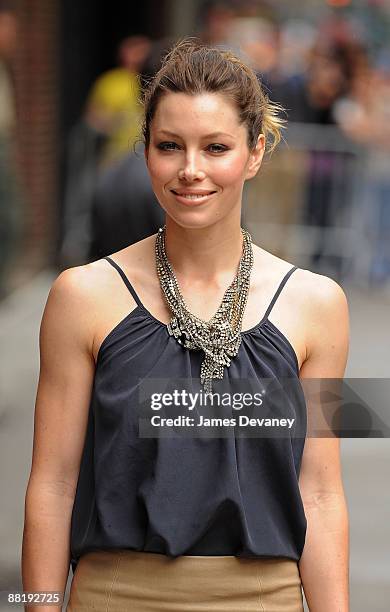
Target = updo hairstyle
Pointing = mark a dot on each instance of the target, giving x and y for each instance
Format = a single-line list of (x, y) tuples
[(192, 67)]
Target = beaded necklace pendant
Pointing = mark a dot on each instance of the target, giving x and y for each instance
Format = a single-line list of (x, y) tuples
[(220, 337)]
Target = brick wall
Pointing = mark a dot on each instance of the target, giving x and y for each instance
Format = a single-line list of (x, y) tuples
[(36, 81)]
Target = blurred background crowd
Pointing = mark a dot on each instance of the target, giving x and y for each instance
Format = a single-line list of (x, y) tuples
[(74, 187)]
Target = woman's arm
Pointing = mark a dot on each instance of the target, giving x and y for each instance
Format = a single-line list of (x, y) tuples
[(61, 411), (324, 565)]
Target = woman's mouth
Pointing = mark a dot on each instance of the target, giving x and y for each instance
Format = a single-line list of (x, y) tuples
[(192, 198)]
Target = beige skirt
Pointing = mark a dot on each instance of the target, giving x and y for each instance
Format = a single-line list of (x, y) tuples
[(121, 580)]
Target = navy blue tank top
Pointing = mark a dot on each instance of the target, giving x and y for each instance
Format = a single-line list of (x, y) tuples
[(186, 496)]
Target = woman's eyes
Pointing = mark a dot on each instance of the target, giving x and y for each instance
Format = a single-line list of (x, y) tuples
[(221, 148), (170, 146), (166, 146)]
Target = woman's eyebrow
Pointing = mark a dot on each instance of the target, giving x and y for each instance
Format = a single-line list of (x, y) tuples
[(212, 135)]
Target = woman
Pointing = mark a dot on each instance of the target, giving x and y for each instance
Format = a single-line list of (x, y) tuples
[(188, 523)]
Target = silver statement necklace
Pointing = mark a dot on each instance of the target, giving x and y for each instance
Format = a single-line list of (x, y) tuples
[(219, 338)]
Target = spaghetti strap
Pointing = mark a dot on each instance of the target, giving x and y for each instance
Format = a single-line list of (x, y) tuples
[(278, 291), (125, 280)]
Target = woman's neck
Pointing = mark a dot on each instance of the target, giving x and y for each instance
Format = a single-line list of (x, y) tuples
[(206, 254)]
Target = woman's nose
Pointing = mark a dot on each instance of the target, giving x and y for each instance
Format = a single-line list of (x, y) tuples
[(191, 170)]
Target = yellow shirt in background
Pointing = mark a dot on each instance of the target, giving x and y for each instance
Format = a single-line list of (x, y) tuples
[(114, 96)]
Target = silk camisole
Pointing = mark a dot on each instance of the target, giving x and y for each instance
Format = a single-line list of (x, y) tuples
[(186, 496)]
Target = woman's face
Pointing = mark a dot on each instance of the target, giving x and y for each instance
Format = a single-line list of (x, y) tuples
[(199, 148)]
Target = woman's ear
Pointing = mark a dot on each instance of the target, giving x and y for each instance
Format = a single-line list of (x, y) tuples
[(256, 157)]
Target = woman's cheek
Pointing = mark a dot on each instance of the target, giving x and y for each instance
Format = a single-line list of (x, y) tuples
[(229, 172), (161, 170)]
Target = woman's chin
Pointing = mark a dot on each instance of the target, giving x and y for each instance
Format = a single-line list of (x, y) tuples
[(192, 219)]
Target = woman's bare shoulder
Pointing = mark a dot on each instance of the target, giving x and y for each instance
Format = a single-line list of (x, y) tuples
[(315, 290), (86, 281), (79, 284), (138, 257), (80, 298), (71, 306)]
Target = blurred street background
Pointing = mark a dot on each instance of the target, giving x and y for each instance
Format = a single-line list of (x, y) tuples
[(74, 187)]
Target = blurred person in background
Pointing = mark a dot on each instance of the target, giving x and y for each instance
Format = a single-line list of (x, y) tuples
[(217, 19), (104, 136), (124, 207), (258, 42), (310, 98), (297, 37), (364, 116), (10, 213), (112, 107)]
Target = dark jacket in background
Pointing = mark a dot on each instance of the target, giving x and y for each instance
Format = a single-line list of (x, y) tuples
[(125, 209)]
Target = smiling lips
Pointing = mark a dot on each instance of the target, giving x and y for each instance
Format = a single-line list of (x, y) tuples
[(192, 195)]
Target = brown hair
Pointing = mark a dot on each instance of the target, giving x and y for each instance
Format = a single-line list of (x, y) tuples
[(192, 67)]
